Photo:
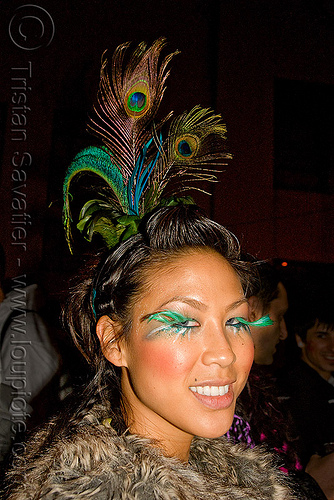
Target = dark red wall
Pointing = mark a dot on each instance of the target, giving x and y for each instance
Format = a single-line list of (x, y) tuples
[(232, 53)]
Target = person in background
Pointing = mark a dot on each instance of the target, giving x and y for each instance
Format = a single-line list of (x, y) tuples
[(309, 383), (269, 298), (260, 405), (28, 360)]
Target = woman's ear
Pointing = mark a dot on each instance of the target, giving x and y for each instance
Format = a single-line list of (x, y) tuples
[(107, 331), (255, 311)]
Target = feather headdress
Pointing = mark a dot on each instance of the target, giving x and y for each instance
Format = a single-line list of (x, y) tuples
[(136, 162)]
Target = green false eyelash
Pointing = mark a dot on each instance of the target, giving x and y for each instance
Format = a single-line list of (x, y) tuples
[(264, 321), (174, 324), (169, 317)]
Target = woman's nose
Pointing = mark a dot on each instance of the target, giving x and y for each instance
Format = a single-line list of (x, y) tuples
[(218, 350)]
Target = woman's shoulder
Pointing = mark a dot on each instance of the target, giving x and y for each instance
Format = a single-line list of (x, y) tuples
[(65, 449), (89, 459)]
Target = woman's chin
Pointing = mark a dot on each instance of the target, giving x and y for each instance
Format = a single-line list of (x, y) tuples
[(215, 431), (212, 435)]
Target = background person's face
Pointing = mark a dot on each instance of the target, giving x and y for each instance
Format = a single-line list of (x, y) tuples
[(318, 349), (183, 377)]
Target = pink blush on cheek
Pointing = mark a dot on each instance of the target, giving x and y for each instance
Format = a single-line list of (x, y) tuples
[(167, 361)]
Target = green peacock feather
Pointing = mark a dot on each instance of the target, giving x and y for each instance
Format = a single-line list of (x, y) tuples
[(96, 160)]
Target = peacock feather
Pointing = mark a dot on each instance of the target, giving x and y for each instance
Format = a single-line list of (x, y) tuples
[(129, 102), (195, 140), (96, 160), (136, 161)]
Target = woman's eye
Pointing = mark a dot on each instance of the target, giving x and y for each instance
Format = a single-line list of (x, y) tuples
[(189, 323), (173, 324), (238, 325), (181, 328)]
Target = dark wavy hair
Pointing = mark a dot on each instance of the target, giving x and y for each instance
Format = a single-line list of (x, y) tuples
[(112, 282)]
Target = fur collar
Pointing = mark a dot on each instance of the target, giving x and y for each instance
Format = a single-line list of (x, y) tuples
[(88, 460)]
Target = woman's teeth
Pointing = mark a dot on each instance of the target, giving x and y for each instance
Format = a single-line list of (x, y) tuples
[(210, 390)]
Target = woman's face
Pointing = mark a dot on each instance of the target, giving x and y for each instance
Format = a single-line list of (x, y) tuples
[(187, 357)]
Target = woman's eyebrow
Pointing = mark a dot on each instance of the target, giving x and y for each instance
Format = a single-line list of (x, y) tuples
[(178, 298), (197, 304), (236, 304)]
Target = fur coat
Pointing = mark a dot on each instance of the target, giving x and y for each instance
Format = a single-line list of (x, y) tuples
[(85, 458)]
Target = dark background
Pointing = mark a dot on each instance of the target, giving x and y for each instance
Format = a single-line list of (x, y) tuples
[(266, 65)]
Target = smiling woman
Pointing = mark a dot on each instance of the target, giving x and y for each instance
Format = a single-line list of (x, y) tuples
[(192, 357), (160, 321), (161, 316)]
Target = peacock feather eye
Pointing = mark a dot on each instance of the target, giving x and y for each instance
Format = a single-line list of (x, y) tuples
[(137, 99), (186, 146)]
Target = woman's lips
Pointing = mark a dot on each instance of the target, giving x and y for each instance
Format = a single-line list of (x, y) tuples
[(216, 397)]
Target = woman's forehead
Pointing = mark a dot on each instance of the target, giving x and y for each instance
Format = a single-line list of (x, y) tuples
[(199, 273), (187, 257)]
